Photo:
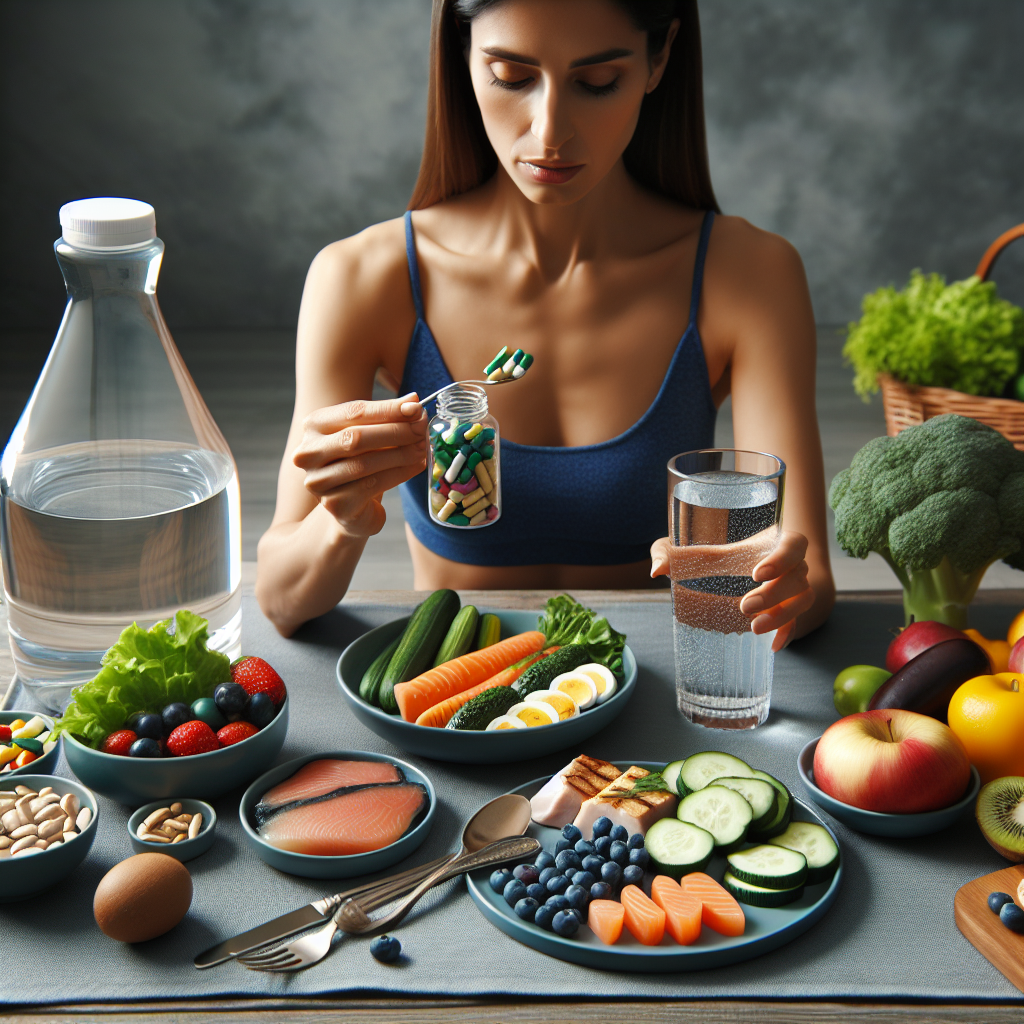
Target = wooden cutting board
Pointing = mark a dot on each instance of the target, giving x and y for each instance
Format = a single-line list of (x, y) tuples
[(983, 929)]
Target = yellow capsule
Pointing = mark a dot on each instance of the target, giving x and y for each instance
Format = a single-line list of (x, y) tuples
[(8, 754), (18, 723)]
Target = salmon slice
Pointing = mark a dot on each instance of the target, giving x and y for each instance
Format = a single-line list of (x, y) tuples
[(354, 821), (683, 913), (318, 778), (720, 911), (605, 919), (644, 919)]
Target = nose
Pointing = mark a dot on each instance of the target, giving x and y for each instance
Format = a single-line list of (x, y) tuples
[(552, 124)]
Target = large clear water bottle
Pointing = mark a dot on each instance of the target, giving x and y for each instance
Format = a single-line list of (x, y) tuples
[(118, 493)]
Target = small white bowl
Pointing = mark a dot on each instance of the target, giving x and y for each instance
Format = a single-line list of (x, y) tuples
[(187, 848)]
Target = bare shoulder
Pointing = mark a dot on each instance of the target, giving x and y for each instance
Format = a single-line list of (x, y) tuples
[(742, 255)]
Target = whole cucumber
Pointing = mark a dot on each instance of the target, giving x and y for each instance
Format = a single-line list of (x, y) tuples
[(926, 683), (369, 686)]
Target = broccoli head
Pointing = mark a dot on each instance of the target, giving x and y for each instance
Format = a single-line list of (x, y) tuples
[(940, 502)]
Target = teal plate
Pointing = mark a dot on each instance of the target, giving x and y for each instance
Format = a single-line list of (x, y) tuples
[(473, 747), (43, 765), (767, 929)]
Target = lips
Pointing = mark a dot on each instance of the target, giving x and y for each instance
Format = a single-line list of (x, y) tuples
[(551, 174)]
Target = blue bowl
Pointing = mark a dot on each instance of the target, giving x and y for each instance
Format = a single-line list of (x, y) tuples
[(41, 765), (187, 848), (139, 780), (473, 746), (22, 877), (312, 866), (875, 823)]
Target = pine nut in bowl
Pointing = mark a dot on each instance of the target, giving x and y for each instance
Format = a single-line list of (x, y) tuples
[(37, 754), (62, 812), (182, 829)]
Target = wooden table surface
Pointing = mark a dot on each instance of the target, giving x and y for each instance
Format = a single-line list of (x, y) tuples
[(349, 1009)]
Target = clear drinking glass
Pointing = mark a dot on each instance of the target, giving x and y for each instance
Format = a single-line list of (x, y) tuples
[(725, 514)]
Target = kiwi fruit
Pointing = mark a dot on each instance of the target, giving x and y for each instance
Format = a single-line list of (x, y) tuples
[(1000, 814)]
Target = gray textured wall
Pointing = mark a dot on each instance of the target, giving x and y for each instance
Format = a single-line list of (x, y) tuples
[(877, 135)]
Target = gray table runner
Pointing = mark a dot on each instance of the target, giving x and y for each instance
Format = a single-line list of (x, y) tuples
[(889, 936)]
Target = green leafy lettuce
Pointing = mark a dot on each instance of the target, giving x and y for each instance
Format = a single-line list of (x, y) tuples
[(565, 621), (960, 336), (146, 670)]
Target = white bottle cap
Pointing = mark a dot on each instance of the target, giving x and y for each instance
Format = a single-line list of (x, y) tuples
[(107, 223)]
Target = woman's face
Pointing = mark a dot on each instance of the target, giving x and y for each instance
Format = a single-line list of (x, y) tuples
[(559, 87)]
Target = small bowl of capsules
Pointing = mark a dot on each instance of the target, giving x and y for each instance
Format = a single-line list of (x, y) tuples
[(182, 829)]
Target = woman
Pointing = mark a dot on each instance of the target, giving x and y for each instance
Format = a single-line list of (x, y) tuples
[(563, 206)]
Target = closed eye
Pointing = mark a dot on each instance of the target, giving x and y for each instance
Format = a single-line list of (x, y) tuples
[(601, 90)]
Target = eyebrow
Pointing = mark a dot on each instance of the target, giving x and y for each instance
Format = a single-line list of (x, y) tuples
[(597, 58)]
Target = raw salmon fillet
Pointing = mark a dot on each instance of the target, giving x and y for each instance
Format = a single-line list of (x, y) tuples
[(720, 911), (683, 913), (318, 778), (605, 919), (644, 918)]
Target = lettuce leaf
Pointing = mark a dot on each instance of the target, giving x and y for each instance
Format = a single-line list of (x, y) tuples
[(565, 621), (146, 670)]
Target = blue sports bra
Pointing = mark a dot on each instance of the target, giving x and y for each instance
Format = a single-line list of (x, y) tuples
[(587, 520)]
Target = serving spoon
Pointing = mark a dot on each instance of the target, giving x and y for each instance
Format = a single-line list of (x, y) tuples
[(459, 383)]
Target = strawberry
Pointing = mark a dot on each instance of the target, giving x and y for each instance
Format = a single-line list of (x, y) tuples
[(119, 742), (235, 732), (254, 675), (194, 737)]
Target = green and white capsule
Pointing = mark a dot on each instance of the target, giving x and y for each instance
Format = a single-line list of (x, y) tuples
[(523, 365), (498, 360)]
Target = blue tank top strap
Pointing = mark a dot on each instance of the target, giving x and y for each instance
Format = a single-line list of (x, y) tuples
[(698, 266), (414, 265)]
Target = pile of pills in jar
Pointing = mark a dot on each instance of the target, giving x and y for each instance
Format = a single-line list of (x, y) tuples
[(504, 366), (465, 473), (32, 822), (170, 825)]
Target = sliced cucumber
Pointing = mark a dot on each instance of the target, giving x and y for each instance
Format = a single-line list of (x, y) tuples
[(784, 811), (720, 811), (762, 797), (700, 770), (671, 776), (758, 895), (816, 845), (771, 867), (677, 847)]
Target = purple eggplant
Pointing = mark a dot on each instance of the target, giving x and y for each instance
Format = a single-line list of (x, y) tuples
[(926, 683)]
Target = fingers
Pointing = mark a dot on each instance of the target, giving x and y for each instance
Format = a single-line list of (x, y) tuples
[(368, 470), (659, 557), (785, 612), (776, 591), (783, 636), (357, 507), (788, 553)]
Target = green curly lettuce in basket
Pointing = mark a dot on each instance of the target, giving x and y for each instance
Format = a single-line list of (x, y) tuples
[(960, 336), (146, 670)]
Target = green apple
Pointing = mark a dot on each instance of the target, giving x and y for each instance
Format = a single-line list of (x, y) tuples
[(855, 686)]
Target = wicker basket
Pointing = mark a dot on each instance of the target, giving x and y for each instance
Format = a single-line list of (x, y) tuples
[(907, 405)]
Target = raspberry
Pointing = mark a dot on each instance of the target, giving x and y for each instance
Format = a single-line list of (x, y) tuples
[(193, 737), (254, 675), (119, 742), (235, 732)]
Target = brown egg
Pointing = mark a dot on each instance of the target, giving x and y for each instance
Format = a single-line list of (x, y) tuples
[(142, 897)]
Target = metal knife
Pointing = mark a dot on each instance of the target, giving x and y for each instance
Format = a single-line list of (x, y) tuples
[(319, 911)]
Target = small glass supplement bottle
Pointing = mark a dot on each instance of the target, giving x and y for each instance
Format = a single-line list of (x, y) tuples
[(464, 476), (118, 494)]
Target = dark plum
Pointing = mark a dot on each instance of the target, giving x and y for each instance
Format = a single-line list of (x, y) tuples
[(640, 857), (600, 891), (526, 908), (386, 949), (500, 878), (231, 699), (544, 916), (619, 853), (526, 873), (633, 875), (611, 873), (602, 827), (558, 884), (572, 833), (565, 923), (261, 710), (150, 727), (145, 747), (544, 860), (584, 878), (997, 899)]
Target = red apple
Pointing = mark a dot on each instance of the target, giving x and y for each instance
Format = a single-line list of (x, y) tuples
[(893, 761), (918, 637), (1016, 662)]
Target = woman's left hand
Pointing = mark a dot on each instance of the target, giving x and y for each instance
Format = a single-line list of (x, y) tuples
[(784, 594)]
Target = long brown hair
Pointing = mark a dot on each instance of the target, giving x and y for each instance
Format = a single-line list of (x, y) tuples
[(668, 153)]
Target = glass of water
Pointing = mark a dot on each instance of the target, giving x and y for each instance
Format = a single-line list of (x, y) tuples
[(725, 515)]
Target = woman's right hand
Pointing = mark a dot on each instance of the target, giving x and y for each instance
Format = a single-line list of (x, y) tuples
[(352, 453)]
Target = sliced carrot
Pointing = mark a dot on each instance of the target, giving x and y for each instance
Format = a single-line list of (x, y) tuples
[(719, 910), (439, 715), (683, 913), (438, 684), (605, 919), (644, 918)]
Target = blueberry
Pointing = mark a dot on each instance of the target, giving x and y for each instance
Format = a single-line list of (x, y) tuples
[(603, 845), (565, 924), (601, 827), (593, 864), (544, 917), (526, 908), (261, 710), (558, 884), (584, 847), (206, 710), (633, 875), (570, 871), (640, 857), (526, 873), (557, 902), (619, 833), (562, 844), (619, 853), (635, 841), (513, 892), (572, 833), (537, 892), (568, 859), (584, 878), (149, 727), (578, 896), (230, 698), (611, 873), (385, 949), (544, 860), (997, 899), (500, 878), (600, 891), (133, 721), (145, 747), (174, 715), (1010, 914), (547, 874)]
